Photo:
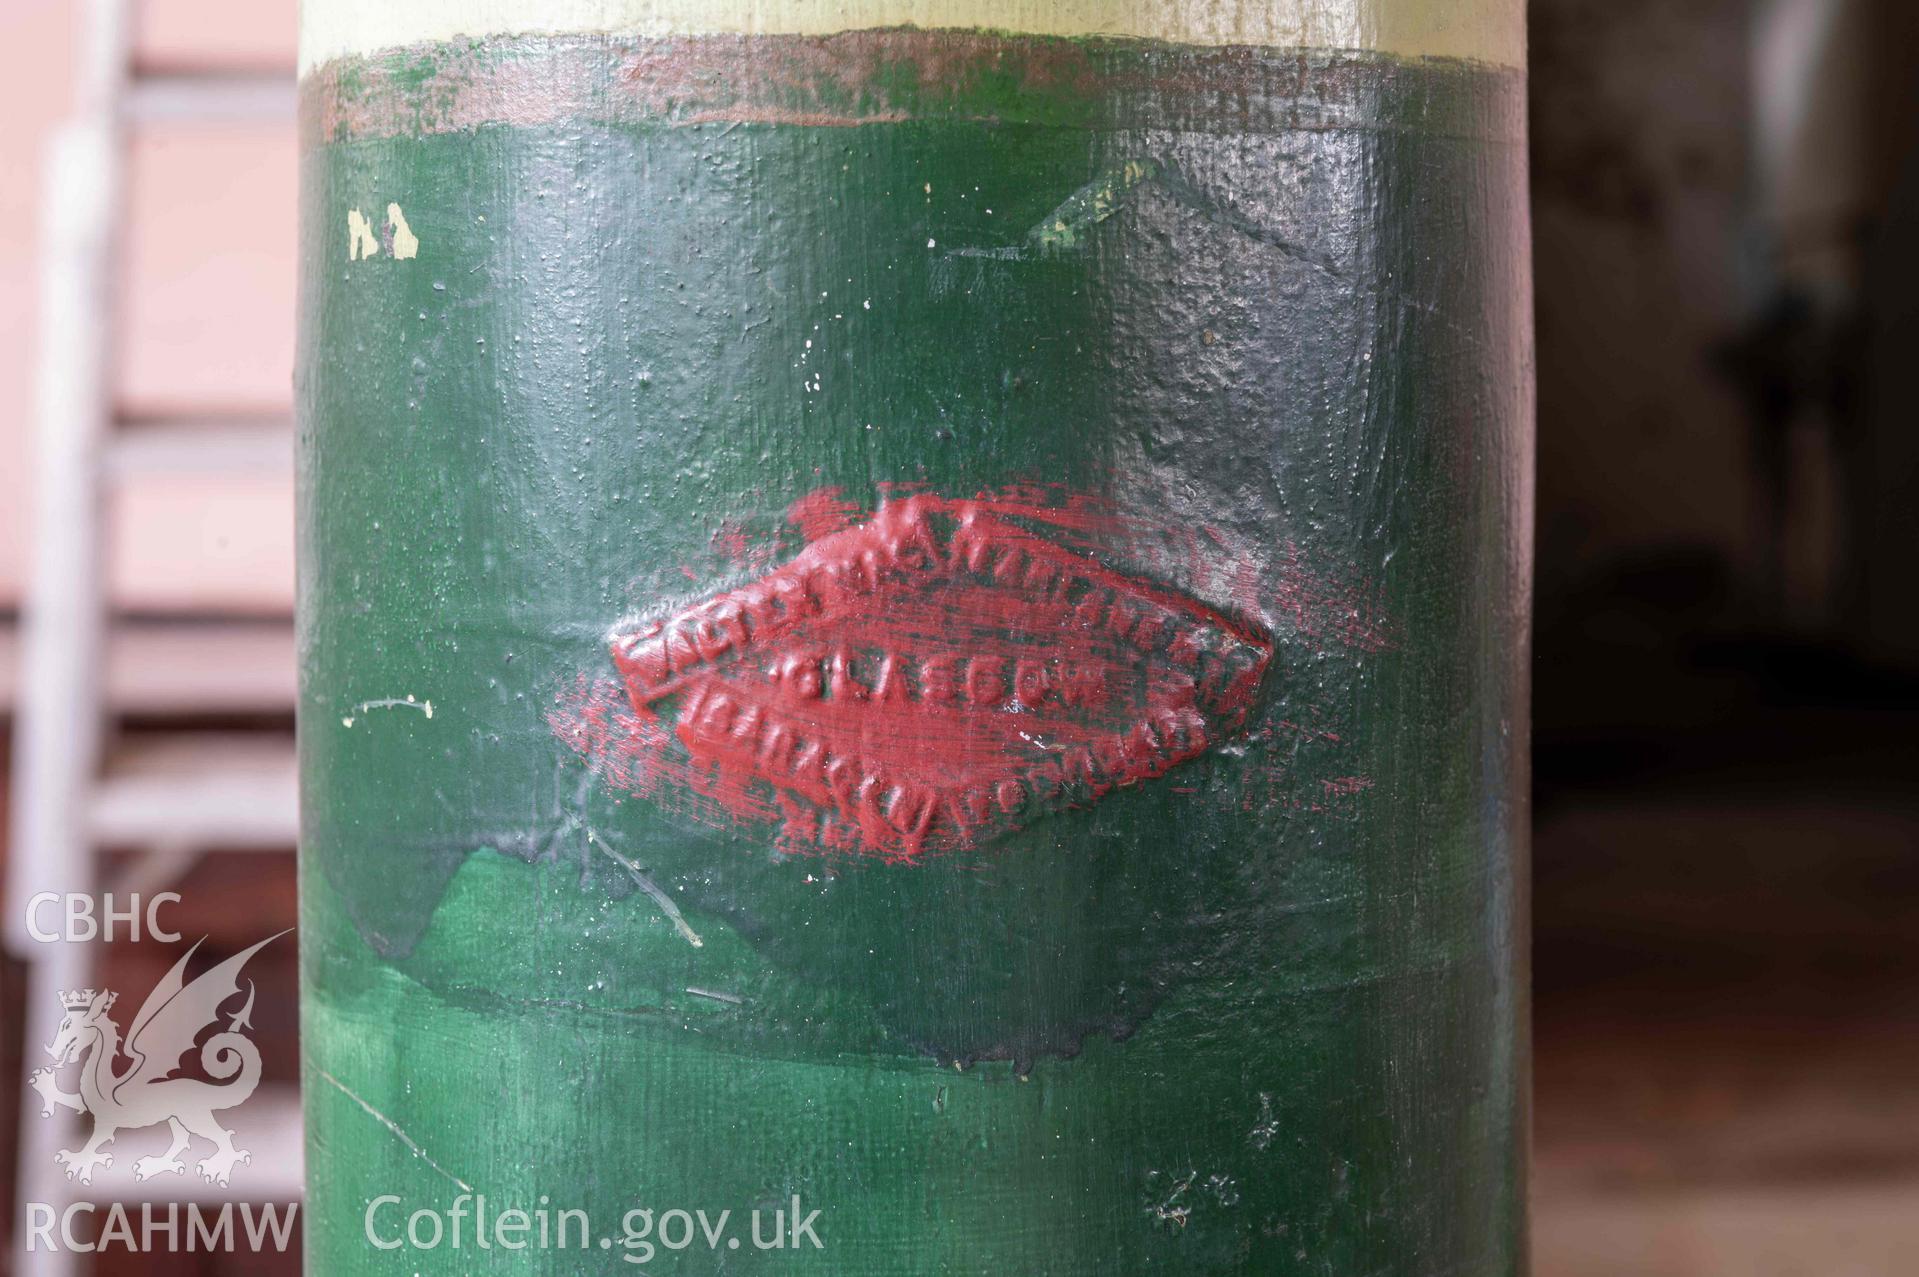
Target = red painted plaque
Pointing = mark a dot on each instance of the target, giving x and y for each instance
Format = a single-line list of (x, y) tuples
[(942, 670)]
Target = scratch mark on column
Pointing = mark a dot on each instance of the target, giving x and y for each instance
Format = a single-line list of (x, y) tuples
[(392, 1126), (389, 702), (651, 888), (1177, 1215), (732, 998)]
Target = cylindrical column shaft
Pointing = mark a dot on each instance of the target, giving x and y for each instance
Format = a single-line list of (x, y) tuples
[(915, 611)]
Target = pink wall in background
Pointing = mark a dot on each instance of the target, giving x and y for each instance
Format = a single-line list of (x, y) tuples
[(257, 34), (205, 315), (206, 320), (35, 54)]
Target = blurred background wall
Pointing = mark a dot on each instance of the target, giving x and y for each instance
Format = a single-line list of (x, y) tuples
[(1727, 841), (1726, 195), (205, 315), (198, 670)]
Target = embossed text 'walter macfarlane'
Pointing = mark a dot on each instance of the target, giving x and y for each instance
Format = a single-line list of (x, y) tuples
[(942, 669)]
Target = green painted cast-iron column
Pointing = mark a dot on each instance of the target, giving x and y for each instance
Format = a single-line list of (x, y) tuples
[(914, 608)]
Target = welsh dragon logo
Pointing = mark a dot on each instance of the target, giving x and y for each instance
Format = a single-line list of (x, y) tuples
[(145, 1092)]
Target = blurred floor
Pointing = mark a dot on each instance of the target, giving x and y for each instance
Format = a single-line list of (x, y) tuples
[(1726, 914), (1727, 1041)]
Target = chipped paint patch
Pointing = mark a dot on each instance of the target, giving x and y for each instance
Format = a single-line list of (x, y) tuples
[(1066, 227), (360, 239), (394, 236), (405, 243)]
